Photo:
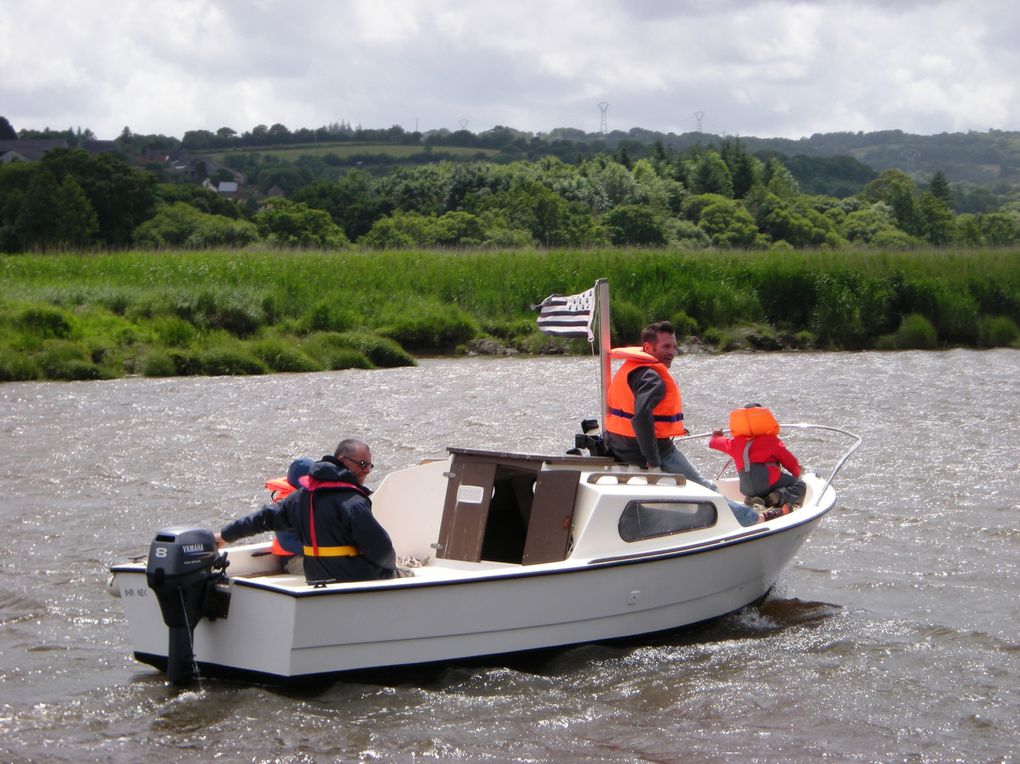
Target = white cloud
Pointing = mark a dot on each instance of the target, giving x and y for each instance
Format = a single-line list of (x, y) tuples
[(768, 68)]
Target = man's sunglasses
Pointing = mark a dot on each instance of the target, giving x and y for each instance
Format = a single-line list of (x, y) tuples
[(360, 462)]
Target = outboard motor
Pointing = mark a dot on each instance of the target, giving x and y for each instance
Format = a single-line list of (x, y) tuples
[(183, 570)]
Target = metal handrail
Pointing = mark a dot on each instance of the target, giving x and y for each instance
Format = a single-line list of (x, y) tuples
[(801, 426)]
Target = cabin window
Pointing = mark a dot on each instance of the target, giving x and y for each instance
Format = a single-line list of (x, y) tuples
[(648, 519)]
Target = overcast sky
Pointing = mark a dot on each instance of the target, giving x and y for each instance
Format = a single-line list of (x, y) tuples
[(736, 67)]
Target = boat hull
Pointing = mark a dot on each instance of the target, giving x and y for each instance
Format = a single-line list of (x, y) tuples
[(276, 631)]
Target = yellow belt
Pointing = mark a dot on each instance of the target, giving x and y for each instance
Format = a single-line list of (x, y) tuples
[(332, 551)]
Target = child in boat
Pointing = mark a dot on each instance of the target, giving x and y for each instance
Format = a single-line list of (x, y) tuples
[(760, 457), (287, 544)]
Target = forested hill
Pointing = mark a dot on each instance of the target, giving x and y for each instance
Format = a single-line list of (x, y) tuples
[(985, 159), (981, 158)]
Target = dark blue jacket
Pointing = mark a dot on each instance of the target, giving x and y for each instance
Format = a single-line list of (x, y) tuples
[(343, 517)]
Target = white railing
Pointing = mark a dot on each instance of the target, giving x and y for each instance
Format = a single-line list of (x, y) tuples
[(857, 440)]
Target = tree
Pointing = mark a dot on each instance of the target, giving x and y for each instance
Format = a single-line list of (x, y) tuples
[(939, 188), (196, 140), (967, 229), (352, 202), (391, 232), (293, 224), (55, 213), (795, 222), (711, 176), (935, 217), (419, 190), (635, 224), (999, 228), (662, 194), (74, 222), (612, 183), (551, 219), (181, 225), (456, 228), (279, 133), (779, 180), (693, 205), (410, 229), (744, 169), (259, 135), (121, 196), (285, 176), (7, 132), (896, 189), (864, 225), (728, 223), (199, 197), (15, 179)]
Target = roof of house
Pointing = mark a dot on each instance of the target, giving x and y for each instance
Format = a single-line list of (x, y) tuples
[(33, 149), (30, 149)]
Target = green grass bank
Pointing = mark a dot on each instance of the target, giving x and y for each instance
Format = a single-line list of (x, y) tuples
[(92, 316)]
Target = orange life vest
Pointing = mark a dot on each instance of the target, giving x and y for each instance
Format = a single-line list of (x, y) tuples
[(752, 422), (279, 489), (668, 415)]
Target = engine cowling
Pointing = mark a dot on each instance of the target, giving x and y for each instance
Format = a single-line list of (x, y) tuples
[(183, 569)]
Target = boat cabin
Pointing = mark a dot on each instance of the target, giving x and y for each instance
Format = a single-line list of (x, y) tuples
[(510, 507)]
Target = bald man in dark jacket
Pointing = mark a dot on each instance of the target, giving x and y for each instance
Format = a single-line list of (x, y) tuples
[(332, 514)]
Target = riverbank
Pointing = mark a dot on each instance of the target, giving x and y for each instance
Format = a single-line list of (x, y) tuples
[(91, 316)]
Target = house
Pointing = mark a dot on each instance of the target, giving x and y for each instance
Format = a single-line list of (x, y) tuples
[(156, 156), (202, 168), (28, 149), (33, 149), (226, 188)]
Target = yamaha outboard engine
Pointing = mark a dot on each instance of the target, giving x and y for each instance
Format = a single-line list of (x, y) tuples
[(183, 570)]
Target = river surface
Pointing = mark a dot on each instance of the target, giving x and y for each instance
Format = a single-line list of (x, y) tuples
[(892, 637)]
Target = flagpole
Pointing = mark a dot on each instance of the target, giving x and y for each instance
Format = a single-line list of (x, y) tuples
[(602, 298)]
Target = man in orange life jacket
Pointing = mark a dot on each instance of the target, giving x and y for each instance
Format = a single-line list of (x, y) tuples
[(332, 515), (646, 412), (645, 407)]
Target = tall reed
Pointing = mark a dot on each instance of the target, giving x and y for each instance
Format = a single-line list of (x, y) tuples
[(435, 300)]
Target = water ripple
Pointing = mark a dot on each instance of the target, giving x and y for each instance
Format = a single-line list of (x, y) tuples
[(891, 637)]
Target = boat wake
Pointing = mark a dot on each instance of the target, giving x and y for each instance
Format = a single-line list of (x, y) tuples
[(778, 613)]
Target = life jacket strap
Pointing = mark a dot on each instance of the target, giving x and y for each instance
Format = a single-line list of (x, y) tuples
[(325, 551), (331, 551), (655, 417), (747, 456)]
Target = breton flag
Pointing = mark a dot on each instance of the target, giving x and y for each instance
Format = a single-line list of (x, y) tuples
[(568, 315)]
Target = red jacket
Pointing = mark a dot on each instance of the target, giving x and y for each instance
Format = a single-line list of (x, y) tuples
[(765, 449)]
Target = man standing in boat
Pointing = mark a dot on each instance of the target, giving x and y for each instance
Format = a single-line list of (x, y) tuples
[(332, 514), (645, 406), (646, 412)]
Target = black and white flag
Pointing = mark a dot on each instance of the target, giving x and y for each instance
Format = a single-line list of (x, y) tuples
[(568, 315)]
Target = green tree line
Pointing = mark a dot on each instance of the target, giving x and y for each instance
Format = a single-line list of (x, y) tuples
[(720, 197)]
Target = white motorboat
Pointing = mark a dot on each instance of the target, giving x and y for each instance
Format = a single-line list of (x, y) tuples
[(520, 551), (517, 552)]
